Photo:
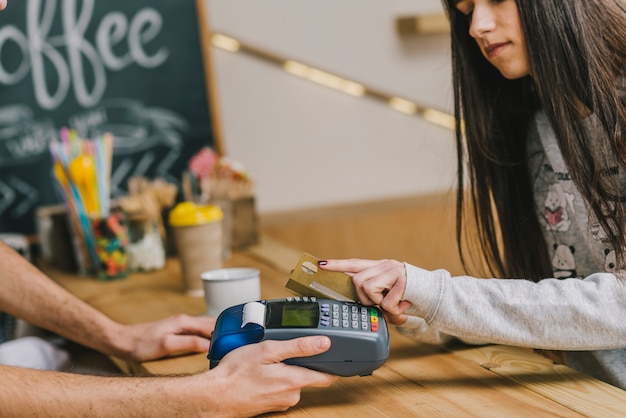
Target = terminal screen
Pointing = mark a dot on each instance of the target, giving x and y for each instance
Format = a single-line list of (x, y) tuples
[(299, 315)]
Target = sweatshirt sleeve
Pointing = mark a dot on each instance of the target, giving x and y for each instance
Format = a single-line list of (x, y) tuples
[(417, 329), (569, 314)]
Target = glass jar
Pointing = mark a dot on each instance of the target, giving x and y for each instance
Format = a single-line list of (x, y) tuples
[(145, 248)]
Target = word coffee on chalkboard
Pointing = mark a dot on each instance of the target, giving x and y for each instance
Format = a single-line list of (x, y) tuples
[(133, 69)]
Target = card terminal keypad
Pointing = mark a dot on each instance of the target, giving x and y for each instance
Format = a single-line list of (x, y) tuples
[(349, 316)]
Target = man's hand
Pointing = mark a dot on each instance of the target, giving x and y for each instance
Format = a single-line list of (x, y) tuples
[(253, 379), (174, 335)]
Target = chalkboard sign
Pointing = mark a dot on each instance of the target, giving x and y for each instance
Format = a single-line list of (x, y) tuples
[(130, 67)]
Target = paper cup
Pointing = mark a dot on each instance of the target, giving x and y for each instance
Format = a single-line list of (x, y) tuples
[(199, 249), (227, 287), (198, 234)]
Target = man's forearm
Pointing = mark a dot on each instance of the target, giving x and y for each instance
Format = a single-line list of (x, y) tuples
[(27, 392), (29, 294)]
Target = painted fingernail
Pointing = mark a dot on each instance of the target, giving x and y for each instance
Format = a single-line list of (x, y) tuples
[(322, 262)]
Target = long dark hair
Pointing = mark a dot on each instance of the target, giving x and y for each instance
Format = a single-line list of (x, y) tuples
[(577, 53)]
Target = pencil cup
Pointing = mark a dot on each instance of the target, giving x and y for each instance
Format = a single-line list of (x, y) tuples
[(198, 235), (227, 287), (111, 241)]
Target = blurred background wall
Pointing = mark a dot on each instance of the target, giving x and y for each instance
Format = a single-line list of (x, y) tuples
[(309, 146)]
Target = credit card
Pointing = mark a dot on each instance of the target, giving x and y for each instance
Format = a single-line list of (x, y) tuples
[(307, 279)]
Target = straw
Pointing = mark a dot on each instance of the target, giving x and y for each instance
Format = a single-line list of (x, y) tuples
[(85, 188), (101, 176)]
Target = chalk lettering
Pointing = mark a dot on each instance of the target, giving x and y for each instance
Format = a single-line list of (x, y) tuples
[(10, 34), (61, 63), (33, 140)]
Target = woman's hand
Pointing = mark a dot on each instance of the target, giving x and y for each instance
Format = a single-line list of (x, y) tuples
[(377, 282)]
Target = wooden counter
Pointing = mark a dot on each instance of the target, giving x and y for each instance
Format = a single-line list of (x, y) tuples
[(416, 380)]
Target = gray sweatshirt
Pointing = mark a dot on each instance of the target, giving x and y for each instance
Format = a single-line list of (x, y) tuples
[(582, 310)]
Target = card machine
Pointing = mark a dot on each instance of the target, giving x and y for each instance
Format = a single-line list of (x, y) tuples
[(358, 333)]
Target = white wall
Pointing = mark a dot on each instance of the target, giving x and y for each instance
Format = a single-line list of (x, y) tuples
[(310, 146)]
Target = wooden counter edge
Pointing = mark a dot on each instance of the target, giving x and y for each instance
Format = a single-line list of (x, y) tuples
[(562, 384)]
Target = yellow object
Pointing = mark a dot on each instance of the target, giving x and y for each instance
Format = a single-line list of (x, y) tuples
[(83, 173), (189, 214), (61, 177)]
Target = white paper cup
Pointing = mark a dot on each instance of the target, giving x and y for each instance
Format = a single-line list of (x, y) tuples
[(227, 287)]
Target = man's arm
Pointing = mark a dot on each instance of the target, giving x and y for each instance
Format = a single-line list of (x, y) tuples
[(249, 381), (29, 294)]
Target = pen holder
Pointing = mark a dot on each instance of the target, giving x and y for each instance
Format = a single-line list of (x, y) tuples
[(111, 242)]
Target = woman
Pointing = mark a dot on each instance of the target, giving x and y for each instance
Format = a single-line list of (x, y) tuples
[(540, 88)]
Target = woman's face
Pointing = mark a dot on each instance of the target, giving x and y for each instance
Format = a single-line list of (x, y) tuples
[(496, 27), (3, 4)]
